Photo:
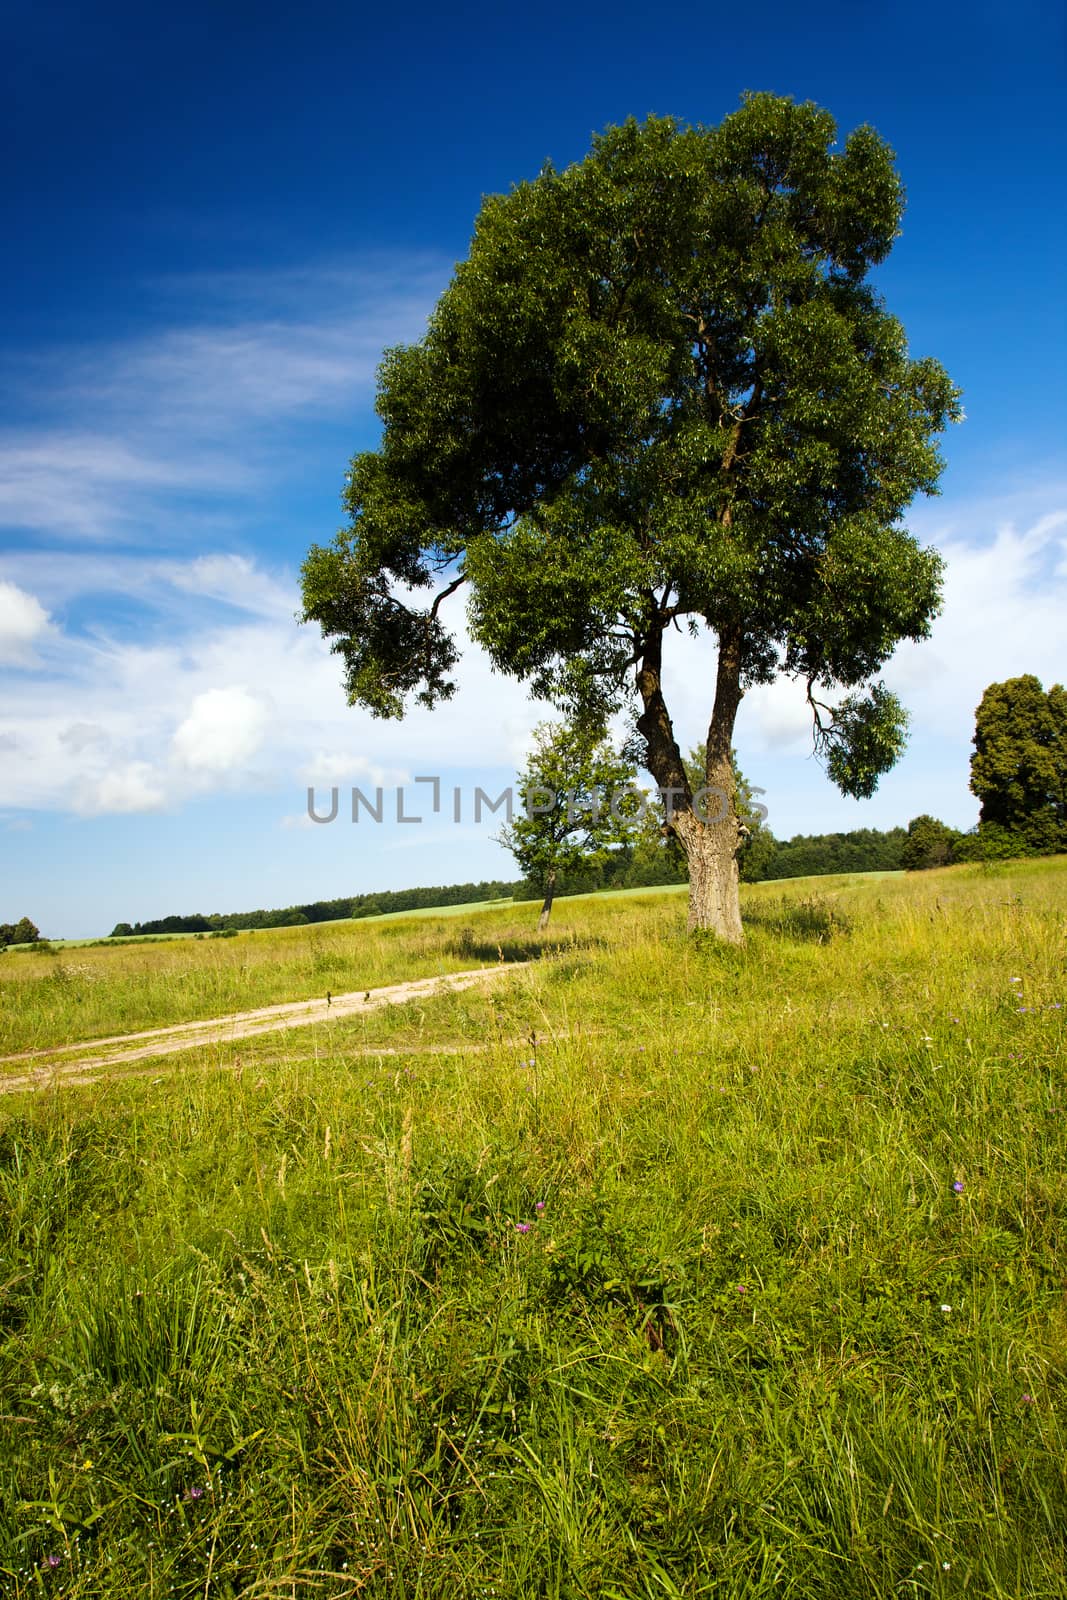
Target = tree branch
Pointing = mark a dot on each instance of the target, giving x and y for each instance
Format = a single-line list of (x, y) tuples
[(654, 724), (444, 594)]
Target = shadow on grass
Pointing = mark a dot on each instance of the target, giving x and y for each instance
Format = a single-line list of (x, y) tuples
[(513, 947), (813, 921)]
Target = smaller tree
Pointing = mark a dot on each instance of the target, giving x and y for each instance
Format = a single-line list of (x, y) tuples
[(1019, 767), (571, 817), (930, 843), (21, 932)]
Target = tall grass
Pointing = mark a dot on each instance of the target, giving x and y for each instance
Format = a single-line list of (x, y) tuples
[(699, 1272)]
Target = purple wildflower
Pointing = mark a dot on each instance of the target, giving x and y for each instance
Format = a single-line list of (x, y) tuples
[(958, 1186), (52, 1562), (522, 1227), (195, 1493), (1028, 1399), (540, 1206)]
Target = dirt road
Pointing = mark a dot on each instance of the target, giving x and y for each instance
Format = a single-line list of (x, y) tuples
[(46, 1067)]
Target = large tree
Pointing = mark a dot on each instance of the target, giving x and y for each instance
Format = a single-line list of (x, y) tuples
[(1019, 765), (659, 393)]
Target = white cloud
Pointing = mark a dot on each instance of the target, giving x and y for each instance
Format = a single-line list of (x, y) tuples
[(218, 699), (254, 371), (82, 736), (23, 620), (773, 717), (340, 766), (224, 729), (128, 789), (1005, 601), (780, 715)]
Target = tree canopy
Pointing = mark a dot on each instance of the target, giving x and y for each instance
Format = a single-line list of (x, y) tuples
[(659, 393), (930, 843), (1019, 766)]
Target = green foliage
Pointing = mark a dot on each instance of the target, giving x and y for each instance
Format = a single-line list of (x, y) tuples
[(930, 843), (21, 932), (1019, 769), (652, 861), (659, 388), (989, 842), (864, 737), (572, 816), (375, 904), (598, 1261), (863, 850)]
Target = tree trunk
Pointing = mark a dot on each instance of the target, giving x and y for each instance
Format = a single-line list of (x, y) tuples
[(714, 879), (714, 894), (710, 845), (546, 909)]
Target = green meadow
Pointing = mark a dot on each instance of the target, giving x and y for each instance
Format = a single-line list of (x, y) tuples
[(655, 1269)]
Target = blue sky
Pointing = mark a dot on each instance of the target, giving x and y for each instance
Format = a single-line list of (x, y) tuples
[(215, 219)]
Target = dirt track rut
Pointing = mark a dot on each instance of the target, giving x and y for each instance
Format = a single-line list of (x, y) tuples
[(46, 1067)]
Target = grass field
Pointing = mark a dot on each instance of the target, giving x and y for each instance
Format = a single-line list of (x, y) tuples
[(659, 1270)]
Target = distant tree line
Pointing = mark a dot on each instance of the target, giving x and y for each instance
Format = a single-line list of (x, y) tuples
[(359, 905), (646, 861), (21, 932), (763, 857)]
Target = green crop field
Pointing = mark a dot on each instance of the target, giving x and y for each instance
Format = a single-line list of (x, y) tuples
[(657, 1269)]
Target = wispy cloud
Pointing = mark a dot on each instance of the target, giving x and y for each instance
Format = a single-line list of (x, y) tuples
[(1005, 600), (131, 433), (234, 581), (75, 485), (134, 787)]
